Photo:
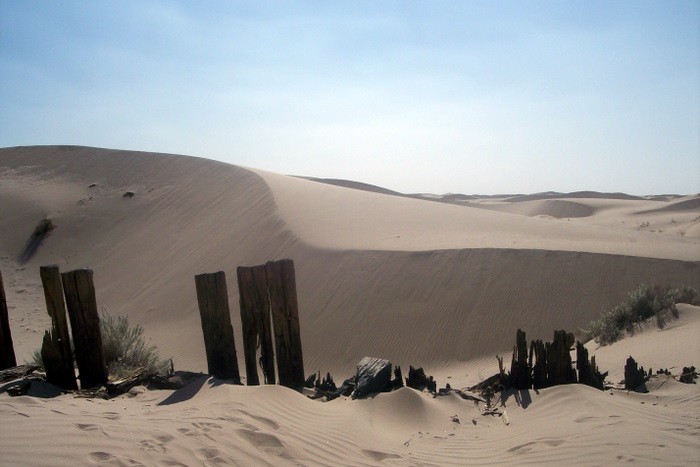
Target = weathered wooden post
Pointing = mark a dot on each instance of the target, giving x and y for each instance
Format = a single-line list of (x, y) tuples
[(539, 366), (261, 311), (250, 333), (559, 364), (212, 296), (55, 350), (285, 317), (520, 372), (255, 317), (79, 291), (7, 350)]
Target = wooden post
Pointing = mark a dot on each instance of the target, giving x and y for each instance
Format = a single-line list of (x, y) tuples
[(55, 351), (520, 372), (212, 296), (539, 366), (85, 324), (261, 310), (7, 350), (250, 333), (257, 329), (285, 317)]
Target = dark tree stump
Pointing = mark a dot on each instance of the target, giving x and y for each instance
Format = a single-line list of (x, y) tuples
[(285, 316), (7, 350), (85, 324), (249, 325), (261, 312), (212, 296), (559, 364), (56, 353)]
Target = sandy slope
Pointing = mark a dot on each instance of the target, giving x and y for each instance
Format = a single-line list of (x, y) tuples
[(419, 282)]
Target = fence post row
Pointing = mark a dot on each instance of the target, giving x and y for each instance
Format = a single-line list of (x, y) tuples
[(85, 324), (55, 350), (212, 296), (7, 350)]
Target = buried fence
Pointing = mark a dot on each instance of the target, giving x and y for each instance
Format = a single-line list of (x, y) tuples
[(268, 307)]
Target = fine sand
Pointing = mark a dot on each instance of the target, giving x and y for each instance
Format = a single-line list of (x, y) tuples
[(443, 285)]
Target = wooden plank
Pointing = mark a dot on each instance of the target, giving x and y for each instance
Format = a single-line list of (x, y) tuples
[(7, 350), (249, 326), (212, 296), (261, 311), (285, 316), (55, 351), (79, 292)]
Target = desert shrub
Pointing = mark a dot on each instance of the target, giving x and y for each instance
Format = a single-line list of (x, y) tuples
[(124, 347), (641, 305)]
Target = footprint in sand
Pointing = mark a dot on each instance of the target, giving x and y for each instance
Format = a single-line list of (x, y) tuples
[(212, 456), (157, 444), (90, 428), (100, 456), (263, 441), (379, 455)]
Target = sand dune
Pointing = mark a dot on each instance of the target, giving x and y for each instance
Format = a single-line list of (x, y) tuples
[(418, 282)]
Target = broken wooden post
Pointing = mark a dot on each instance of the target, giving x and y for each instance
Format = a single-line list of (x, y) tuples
[(559, 363), (56, 353), (85, 324), (539, 365), (634, 377), (519, 370), (212, 296), (7, 350), (285, 317), (257, 328)]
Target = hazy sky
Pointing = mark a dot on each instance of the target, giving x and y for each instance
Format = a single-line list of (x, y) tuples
[(424, 96)]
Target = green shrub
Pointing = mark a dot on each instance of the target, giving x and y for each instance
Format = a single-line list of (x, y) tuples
[(642, 304), (124, 348)]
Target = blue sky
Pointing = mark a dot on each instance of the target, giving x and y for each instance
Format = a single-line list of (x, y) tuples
[(431, 96)]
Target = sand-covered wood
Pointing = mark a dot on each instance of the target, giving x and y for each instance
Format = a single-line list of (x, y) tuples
[(56, 352), (79, 292), (212, 296)]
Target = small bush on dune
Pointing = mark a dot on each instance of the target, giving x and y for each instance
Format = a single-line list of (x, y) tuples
[(642, 304), (124, 347)]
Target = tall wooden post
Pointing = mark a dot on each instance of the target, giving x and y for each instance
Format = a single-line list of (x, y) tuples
[(250, 333), (285, 316), (79, 291), (255, 317), (212, 296), (261, 310), (55, 351), (7, 350)]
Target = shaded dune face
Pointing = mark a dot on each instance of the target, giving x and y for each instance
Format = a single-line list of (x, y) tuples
[(414, 281)]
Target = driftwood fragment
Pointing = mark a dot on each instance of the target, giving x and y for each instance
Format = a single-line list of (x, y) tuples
[(373, 375), (689, 375), (19, 389), (122, 385), (16, 372), (417, 379)]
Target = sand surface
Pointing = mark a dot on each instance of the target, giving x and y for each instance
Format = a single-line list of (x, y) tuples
[(420, 282)]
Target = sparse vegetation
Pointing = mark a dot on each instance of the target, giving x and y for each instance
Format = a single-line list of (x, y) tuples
[(125, 348), (643, 304), (44, 226)]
